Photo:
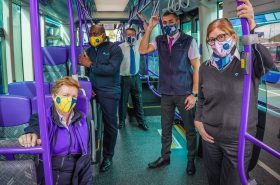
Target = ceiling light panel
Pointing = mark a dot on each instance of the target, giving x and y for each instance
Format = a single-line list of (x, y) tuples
[(110, 5)]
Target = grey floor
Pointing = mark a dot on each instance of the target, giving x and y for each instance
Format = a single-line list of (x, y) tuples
[(136, 148)]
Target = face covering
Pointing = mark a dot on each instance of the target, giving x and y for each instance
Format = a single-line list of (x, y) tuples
[(170, 29), (130, 39), (65, 104), (222, 49), (96, 41)]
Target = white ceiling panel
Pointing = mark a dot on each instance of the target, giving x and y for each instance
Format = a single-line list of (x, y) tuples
[(110, 5)]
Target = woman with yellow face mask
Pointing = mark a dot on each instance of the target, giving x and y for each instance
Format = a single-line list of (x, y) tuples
[(68, 135)]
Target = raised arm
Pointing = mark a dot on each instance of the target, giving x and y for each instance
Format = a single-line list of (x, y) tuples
[(145, 47)]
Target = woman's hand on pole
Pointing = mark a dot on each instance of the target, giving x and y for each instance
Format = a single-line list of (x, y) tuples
[(246, 11)]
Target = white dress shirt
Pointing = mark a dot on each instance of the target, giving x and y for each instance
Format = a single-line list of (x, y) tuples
[(125, 65)]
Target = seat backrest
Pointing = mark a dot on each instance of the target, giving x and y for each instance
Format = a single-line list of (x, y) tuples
[(14, 110), (82, 104), (86, 85), (26, 88), (55, 62), (54, 55)]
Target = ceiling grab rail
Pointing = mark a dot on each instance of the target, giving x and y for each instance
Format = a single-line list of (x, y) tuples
[(145, 5), (243, 134), (86, 11), (38, 68)]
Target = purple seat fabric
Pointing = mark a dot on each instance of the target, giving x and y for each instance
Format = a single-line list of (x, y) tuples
[(54, 55), (86, 85), (27, 88), (82, 104), (14, 110)]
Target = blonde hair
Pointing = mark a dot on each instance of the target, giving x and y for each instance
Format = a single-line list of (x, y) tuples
[(223, 24), (68, 81)]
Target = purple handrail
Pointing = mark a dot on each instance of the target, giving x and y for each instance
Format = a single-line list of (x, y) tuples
[(80, 25), (72, 38), (243, 135), (22, 150), (38, 68)]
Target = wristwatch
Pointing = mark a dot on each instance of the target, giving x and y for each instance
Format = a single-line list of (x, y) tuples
[(194, 94)]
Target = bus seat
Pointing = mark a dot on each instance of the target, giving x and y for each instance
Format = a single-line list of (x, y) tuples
[(14, 110), (86, 85), (26, 88), (55, 62), (272, 77), (21, 172), (82, 104), (53, 55)]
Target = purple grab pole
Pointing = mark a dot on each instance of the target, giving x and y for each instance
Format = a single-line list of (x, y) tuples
[(72, 39), (80, 25), (38, 68), (245, 105)]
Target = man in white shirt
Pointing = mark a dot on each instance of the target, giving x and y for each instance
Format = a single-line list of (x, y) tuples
[(130, 79)]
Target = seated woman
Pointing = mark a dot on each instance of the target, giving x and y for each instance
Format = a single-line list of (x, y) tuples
[(68, 134), (220, 98)]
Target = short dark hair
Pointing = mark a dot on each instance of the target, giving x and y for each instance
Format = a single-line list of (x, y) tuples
[(131, 29), (171, 13)]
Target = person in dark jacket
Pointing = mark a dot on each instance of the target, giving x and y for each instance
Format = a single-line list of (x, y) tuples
[(103, 60), (178, 83), (220, 98), (68, 134)]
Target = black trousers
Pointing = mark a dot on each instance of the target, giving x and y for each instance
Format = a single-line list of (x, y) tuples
[(168, 105), (109, 106), (220, 160), (68, 170), (131, 85)]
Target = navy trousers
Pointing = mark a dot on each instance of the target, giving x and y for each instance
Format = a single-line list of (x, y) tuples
[(109, 108)]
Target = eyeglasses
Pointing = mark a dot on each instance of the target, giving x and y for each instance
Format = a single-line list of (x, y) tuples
[(220, 38)]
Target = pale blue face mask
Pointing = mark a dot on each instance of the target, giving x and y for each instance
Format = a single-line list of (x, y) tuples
[(170, 29)]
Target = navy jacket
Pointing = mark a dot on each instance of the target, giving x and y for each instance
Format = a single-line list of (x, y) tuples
[(104, 72), (175, 70)]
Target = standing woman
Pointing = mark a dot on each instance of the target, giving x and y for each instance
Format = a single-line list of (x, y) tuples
[(220, 98)]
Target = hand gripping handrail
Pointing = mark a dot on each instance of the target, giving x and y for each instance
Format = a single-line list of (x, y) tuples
[(243, 135)]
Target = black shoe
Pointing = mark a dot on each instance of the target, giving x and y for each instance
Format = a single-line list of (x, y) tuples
[(143, 126), (159, 162), (121, 125), (190, 168), (105, 165)]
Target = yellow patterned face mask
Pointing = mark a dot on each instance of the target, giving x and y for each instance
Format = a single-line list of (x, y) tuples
[(65, 104), (96, 41)]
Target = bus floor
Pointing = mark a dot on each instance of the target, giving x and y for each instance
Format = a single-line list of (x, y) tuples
[(136, 148)]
